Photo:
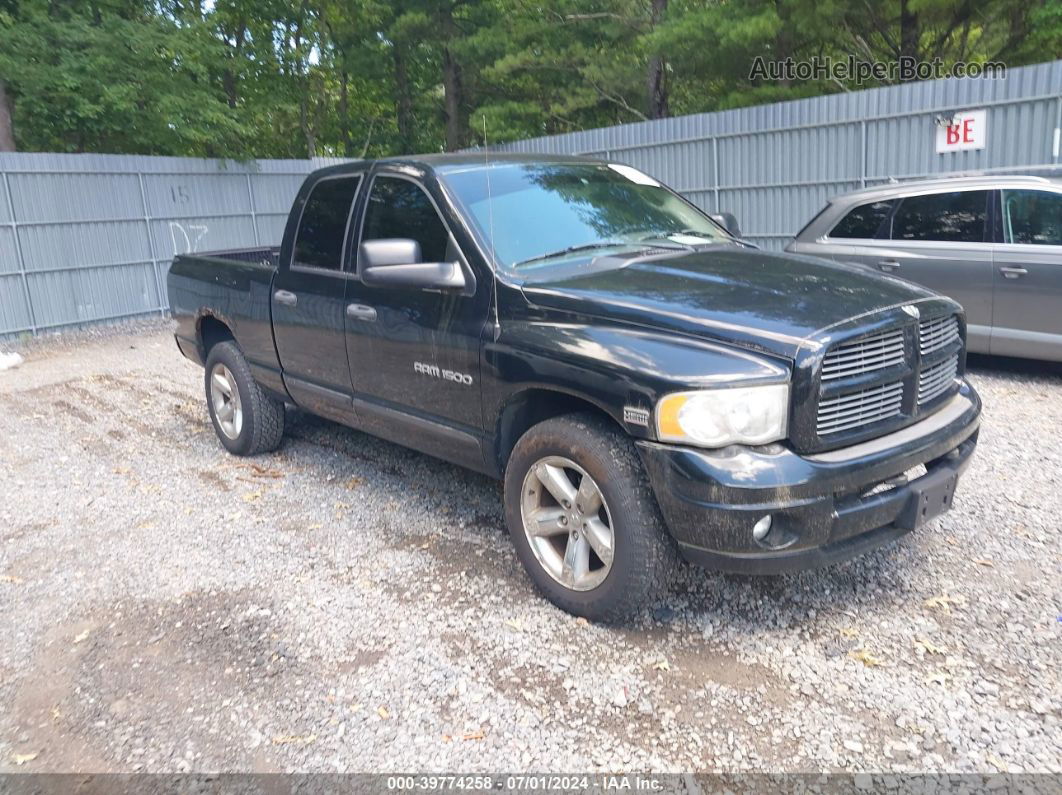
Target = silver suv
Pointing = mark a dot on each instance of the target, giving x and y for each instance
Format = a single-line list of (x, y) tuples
[(994, 244)]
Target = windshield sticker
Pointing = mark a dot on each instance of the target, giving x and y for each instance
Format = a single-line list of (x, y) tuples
[(634, 175)]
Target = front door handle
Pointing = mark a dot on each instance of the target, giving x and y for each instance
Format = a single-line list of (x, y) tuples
[(361, 312), (889, 265), (1012, 272), (285, 297)]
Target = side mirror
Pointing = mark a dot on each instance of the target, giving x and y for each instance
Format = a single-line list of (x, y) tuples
[(389, 251), (728, 221), (396, 262)]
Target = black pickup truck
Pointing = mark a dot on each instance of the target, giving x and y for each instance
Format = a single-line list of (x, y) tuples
[(643, 381)]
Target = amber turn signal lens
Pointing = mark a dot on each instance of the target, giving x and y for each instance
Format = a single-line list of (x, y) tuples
[(667, 412)]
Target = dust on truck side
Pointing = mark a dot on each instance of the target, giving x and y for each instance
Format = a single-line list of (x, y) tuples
[(644, 383)]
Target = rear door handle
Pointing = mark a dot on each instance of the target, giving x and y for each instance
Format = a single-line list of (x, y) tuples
[(361, 312), (1012, 272), (286, 298), (889, 265)]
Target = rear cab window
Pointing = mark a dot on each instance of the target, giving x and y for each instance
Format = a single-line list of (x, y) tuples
[(954, 217), (323, 225)]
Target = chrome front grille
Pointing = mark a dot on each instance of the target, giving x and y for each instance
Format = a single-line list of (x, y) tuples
[(937, 332), (864, 355), (885, 380), (855, 409), (935, 379)]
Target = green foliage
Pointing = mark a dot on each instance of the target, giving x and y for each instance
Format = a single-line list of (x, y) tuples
[(116, 80), (296, 78)]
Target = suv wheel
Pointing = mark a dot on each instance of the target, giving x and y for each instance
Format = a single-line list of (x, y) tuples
[(584, 519), (246, 419)]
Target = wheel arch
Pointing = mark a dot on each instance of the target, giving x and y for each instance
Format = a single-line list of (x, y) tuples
[(532, 405), (209, 331)]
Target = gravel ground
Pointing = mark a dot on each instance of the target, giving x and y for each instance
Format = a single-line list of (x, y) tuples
[(348, 605)]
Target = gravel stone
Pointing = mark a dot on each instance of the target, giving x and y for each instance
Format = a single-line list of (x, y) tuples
[(345, 604)]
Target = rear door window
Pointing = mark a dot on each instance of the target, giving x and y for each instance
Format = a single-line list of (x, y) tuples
[(323, 226), (400, 208), (1032, 217), (957, 217), (864, 221)]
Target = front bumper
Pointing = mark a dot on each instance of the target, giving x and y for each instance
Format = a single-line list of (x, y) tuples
[(820, 507)]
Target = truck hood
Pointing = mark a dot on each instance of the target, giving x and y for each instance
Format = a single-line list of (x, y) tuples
[(759, 300)]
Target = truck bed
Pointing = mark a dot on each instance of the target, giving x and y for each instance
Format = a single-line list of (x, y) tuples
[(262, 254), (234, 287)]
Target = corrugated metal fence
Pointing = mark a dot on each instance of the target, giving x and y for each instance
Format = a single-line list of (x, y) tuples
[(774, 166), (89, 237), (85, 238)]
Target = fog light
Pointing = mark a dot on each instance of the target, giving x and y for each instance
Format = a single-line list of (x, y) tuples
[(761, 528)]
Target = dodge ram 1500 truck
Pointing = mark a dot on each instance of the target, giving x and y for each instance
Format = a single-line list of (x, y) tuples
[(642, 381)]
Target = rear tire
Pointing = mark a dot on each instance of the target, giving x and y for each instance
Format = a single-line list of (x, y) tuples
[(546, 492), (246, 419)]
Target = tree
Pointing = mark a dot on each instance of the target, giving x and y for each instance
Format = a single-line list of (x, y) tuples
[(117, 79), (7, 124), (364, 78), (656, 80)]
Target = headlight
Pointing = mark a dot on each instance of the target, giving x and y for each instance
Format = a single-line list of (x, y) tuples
[(718, 417)]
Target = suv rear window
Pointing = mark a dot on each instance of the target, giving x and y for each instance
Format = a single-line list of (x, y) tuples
[(864, 221), (958, 217), (323, 226)]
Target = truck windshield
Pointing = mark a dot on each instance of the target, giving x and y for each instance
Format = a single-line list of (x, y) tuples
[(540, 214)]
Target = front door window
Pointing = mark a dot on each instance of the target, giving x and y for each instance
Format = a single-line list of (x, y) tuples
[(399, 208)]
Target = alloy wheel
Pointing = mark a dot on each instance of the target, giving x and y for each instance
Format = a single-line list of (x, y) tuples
[(225, 398), (567, 523)]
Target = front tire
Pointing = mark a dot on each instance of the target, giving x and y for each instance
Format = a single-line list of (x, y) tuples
[(246, 419), (583, 518)]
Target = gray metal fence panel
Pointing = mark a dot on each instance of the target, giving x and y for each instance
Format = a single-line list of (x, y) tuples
[(85, 238), (775, 166), (8, 253)]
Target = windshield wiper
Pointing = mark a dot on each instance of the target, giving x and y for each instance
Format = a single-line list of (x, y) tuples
[(572, 249)]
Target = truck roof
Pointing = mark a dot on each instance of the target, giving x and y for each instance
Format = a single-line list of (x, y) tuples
[(472, 158), (479, 157)]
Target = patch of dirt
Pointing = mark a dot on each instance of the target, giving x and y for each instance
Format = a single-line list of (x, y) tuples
[(535, 685), (75, 412), (121, 673), (213, 480), (96, 447), (360, 660), (697, 667), (193, 414), (44, 701), (26, 528), (88, 397)]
